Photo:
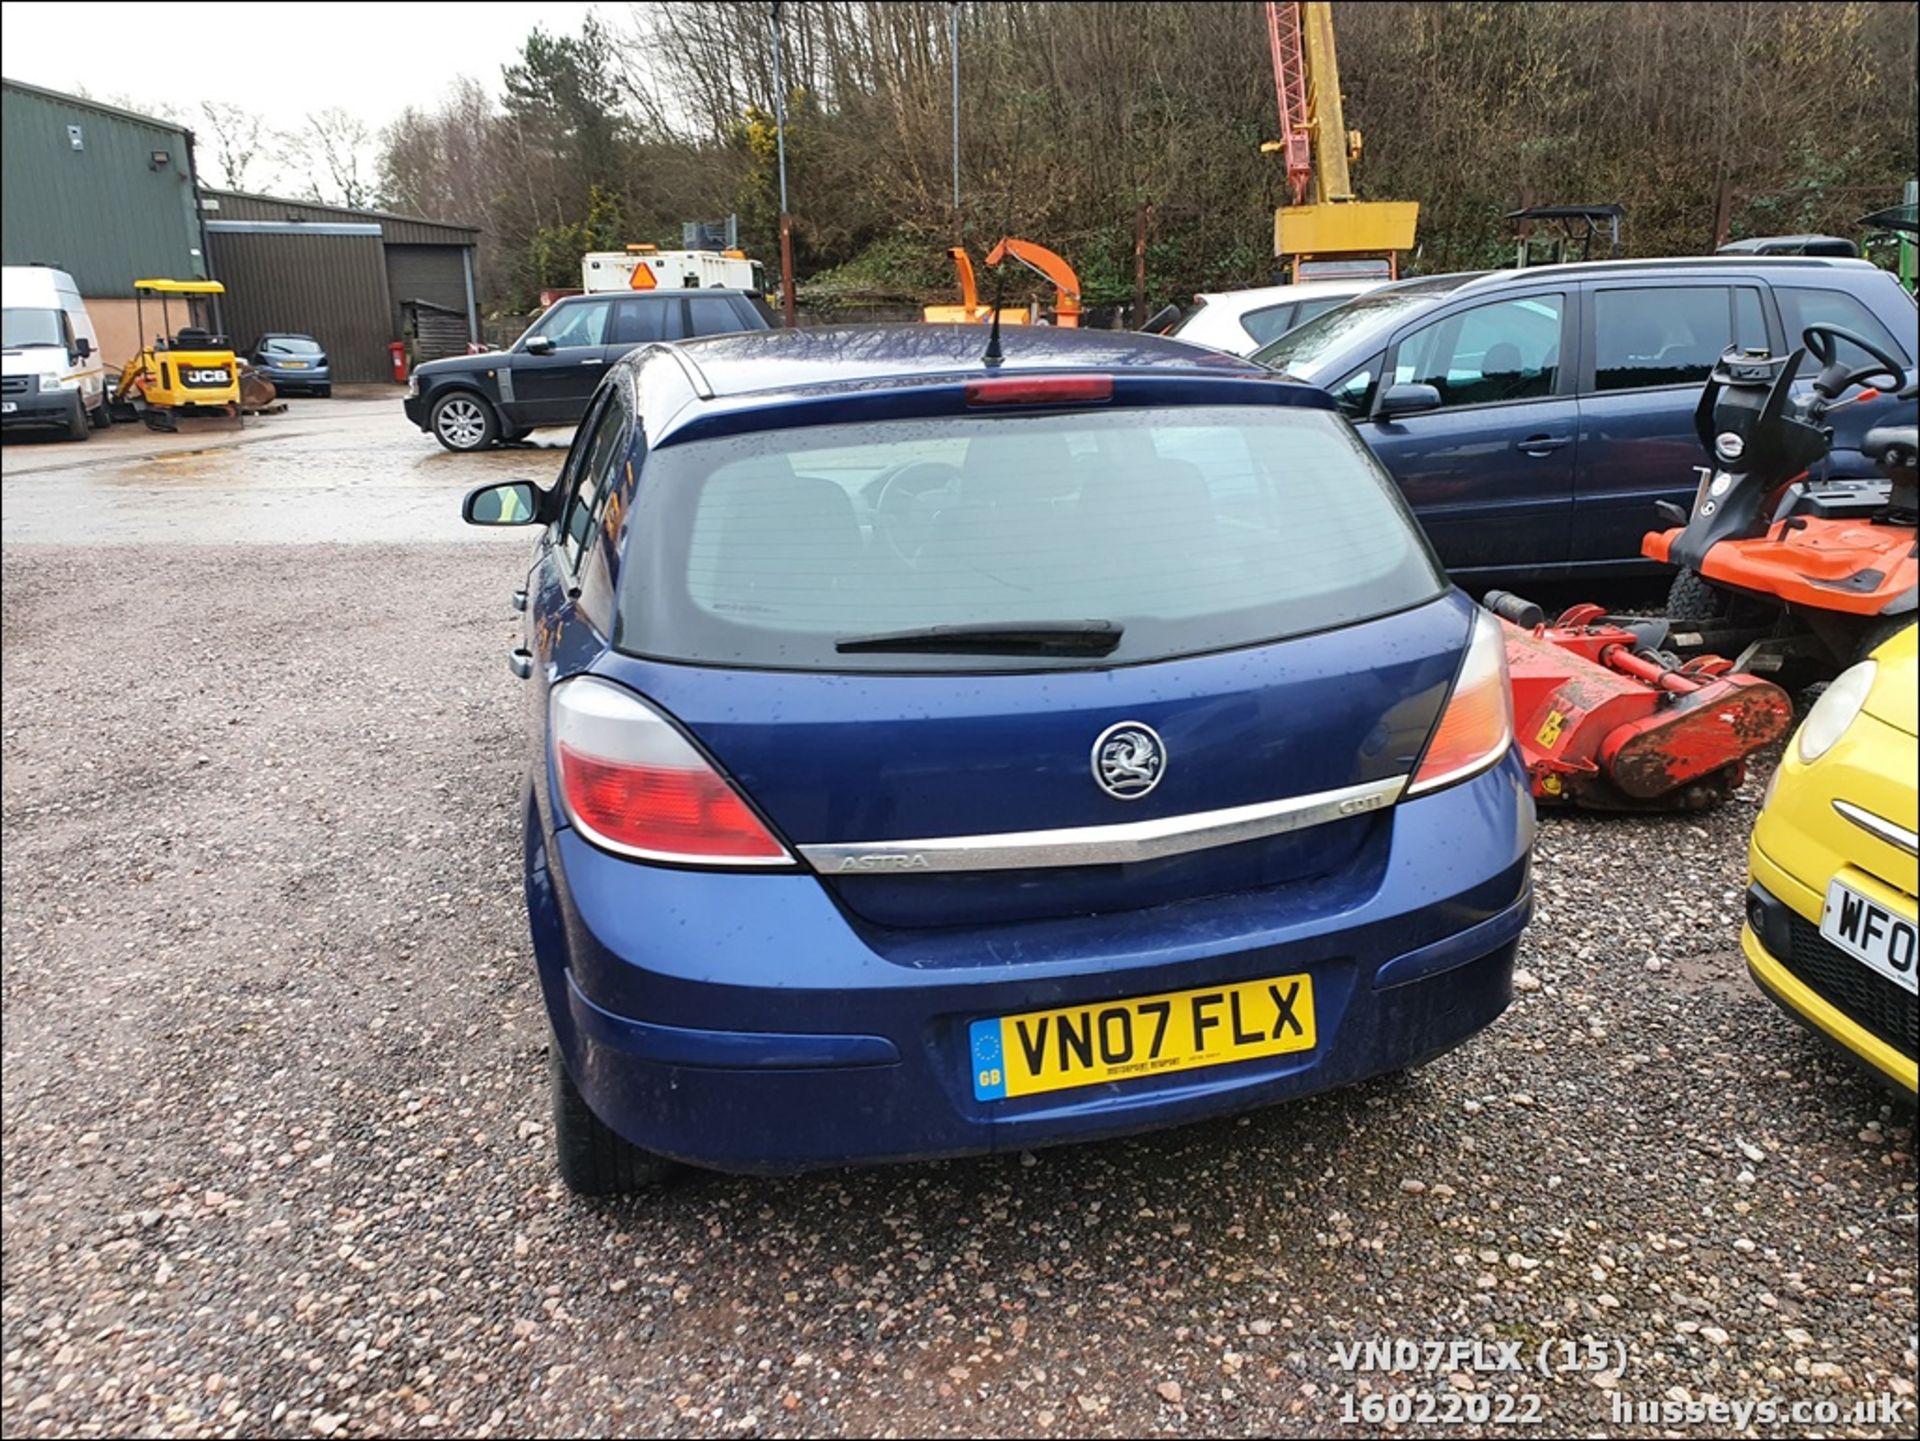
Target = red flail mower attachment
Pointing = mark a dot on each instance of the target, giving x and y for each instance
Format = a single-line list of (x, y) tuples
[(1606, 719)]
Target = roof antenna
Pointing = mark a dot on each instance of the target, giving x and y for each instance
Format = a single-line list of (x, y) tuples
[(993, 358)]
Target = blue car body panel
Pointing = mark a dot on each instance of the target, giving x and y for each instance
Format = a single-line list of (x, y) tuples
[(776, 1021), (1500, 506)]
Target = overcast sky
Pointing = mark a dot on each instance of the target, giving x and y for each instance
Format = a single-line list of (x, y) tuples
[(284, 60)]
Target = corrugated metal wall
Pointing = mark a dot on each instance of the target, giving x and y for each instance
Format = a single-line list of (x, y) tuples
[(428, 272), (399, 229), (106, 213), (330, 286)]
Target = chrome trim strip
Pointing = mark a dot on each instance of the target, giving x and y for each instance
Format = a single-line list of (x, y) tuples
[(1890, 832), (1101, 845)]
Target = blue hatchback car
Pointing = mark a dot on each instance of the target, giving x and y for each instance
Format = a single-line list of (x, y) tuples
[(933, 756), (1534, 418)]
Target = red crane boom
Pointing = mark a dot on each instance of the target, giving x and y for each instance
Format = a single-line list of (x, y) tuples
[(1290, 88)]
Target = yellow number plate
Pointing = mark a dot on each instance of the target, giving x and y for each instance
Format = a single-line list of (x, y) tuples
[(1146, 1036)]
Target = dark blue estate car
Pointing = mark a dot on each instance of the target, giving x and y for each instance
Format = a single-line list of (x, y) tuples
[(931, 757), (1534, 417)]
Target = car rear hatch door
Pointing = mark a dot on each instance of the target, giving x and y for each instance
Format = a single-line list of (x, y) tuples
[(993, 669), (944, 800)]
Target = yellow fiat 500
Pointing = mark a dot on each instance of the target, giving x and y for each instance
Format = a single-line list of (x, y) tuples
[(1831, 931)]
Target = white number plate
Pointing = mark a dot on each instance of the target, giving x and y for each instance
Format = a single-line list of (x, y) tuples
[(1881, 939)]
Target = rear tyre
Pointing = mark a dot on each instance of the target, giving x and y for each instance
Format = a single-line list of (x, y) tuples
[(1693, 597), (594, 1160), (79, 426), (463, 421), (100, 417), (324, 392)]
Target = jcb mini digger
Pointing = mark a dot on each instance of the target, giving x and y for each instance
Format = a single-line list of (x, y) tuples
[(188, 373), (1807, 574)]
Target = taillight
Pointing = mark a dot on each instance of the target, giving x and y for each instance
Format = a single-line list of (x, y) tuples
[(1041, 390), (632, 783), (1476, 728)]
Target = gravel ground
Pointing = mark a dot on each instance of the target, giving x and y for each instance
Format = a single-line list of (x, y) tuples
[(277, 1151)]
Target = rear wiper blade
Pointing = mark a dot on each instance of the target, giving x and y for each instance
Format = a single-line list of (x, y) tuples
[(1030, 637)]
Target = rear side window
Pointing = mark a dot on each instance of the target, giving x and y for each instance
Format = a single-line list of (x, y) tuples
[(1269, 324), (1506, 350), (1800, 308), (1670, 334), (640, 322), (711, 315), (1197, 529), (595, 471)]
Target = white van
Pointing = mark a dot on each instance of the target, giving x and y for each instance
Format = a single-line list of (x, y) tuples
[(53, 373)]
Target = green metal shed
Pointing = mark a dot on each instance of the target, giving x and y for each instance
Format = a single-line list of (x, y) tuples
[(102, 193)]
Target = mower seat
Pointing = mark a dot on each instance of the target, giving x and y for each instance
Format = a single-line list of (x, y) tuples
[(1892, 447), (192, 337)]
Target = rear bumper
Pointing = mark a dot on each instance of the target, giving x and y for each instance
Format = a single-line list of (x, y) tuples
[(741, 1023), (297, 379)]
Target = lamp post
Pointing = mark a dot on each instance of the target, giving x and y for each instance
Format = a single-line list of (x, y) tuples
[(780, 143), (953, 51)]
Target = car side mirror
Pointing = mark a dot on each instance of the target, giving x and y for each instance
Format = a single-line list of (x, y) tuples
[(83, 347), (1408, 398), (507, 502), (541, 345)]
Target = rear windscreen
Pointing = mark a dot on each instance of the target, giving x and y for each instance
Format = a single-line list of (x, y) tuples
[(292, 345), (1196, 529)]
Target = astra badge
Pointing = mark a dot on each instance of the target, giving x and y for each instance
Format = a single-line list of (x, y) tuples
[(1128, 760)]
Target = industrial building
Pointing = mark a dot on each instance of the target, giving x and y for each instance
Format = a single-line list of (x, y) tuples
[(101, 193), (111, 197), (355, 280)]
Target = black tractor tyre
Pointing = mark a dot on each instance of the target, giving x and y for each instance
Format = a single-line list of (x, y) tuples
[(464, 421), (1877, 633), (1693, 597), (594, 1159)]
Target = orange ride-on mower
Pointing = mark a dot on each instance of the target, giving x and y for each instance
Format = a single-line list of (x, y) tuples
[(1807, 575), (1607, 718)]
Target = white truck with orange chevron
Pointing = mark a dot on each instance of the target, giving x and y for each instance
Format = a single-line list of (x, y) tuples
[(647, 267)]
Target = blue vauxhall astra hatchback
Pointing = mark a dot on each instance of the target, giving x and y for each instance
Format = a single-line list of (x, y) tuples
[(935, 755)]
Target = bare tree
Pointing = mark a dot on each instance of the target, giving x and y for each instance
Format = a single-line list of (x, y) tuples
[(236, 138), (332, 148)]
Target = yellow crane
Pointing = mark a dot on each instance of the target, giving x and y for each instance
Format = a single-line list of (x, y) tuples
[(1323, 231)]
